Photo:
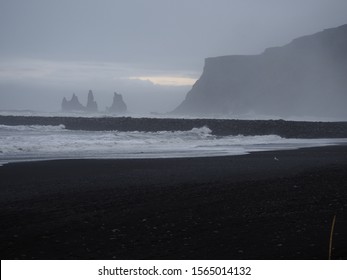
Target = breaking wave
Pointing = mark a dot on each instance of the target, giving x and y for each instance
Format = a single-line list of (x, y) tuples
[(35, 142)]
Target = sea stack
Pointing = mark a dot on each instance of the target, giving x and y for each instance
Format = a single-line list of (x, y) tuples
[(92, 106), (118, 106), (72, 105), (306, 77)]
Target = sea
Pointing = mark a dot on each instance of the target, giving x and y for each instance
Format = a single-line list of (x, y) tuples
[(37, 142)]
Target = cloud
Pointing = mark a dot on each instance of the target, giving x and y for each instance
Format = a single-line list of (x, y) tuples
[(167, 80), (25, 81), (76, 72)]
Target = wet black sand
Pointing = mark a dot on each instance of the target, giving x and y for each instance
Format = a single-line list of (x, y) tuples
[(268, 205)]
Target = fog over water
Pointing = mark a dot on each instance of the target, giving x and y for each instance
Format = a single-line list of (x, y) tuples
[(151, 51)]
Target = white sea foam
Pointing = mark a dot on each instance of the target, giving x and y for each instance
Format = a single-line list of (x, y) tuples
[(20, 143)]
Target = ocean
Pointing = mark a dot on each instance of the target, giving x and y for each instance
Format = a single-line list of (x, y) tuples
[(38, 142)]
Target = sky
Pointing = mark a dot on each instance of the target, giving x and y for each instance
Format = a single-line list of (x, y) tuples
[(150, 51)]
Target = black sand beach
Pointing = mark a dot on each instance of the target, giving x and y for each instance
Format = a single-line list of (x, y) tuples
[(266, 205)]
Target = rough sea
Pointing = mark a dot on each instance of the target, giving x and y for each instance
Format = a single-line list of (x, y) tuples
[(27, 143)]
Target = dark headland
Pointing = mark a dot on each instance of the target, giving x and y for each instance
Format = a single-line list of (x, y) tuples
[(306, 77), (265, 205)]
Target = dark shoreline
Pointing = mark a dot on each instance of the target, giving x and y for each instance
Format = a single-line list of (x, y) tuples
[(265, 205), (220, 127)]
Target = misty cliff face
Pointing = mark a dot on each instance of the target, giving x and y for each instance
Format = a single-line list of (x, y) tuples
[(307, 77)]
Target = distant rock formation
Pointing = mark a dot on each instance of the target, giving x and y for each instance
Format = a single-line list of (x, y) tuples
[(92, 106), (118, 106), (72, 105), (307, 77)]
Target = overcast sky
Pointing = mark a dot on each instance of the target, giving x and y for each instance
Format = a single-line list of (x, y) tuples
[(150, 51)]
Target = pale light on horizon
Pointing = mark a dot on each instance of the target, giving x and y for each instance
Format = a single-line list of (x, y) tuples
[(167, 80)]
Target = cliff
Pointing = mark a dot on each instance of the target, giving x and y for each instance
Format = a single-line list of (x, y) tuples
[(307, 77)]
